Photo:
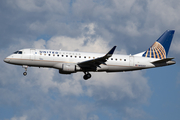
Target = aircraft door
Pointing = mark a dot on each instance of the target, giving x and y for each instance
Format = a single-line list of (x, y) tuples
[(131, 61), (32, 56), (36, 55)]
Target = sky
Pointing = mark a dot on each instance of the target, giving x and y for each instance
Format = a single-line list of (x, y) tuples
[(88, 26)]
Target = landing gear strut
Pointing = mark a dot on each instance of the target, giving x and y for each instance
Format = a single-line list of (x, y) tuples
[(87, 75), (25, 67)]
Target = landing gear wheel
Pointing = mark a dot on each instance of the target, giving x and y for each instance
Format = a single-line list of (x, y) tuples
[(87, 76), (25, 73), (25, 67)]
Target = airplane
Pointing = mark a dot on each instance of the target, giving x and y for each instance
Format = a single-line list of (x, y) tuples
[(68, 62)]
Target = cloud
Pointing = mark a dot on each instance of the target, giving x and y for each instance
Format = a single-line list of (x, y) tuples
[(107, 93), (39, 44), (19, 118), (118, 21), (39, 6), (81, 25), (161, 9), (47, 93), (175, 47)]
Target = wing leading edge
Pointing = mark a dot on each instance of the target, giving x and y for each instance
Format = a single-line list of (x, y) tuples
[(96, 62)]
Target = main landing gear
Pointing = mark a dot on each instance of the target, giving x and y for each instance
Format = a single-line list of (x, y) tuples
[(87, 75), (25, 67)]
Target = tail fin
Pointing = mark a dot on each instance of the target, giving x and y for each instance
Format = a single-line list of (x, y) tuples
[(160, 48)]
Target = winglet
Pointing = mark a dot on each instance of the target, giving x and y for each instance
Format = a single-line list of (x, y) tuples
[(97, 61), (110, 53)]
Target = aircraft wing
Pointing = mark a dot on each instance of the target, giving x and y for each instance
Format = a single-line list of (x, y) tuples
[(96, 62)]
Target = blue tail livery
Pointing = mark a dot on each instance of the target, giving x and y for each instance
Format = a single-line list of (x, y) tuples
[(160, 48)]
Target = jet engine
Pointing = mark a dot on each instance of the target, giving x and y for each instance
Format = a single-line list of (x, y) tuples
[(68, 68)]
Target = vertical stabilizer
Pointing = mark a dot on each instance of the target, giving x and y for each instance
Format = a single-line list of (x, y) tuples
[(161, 47)]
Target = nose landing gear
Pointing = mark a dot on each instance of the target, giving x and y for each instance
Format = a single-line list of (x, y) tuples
[(87, 76), (25, 67)]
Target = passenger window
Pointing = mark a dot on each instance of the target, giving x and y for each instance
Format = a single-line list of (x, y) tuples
[(116, 59), (124, 59), (79, 56), (84, 56), (75, 56), (71, 55), (111, 58), (66, 55), (49, 54), (120, 59), (58, 55), (62, 55)]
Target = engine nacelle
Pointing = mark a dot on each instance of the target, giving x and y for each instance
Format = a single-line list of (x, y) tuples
[(68, 68)]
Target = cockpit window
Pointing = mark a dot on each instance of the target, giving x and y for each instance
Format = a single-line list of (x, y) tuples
[(18, 52)]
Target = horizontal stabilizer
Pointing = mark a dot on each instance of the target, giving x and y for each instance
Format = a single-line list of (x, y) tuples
[(162, 60)]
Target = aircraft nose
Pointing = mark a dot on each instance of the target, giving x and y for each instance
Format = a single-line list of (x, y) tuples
[(6, 60)]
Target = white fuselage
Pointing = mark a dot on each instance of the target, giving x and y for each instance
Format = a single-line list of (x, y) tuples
[(68, 62), (57, 58)]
